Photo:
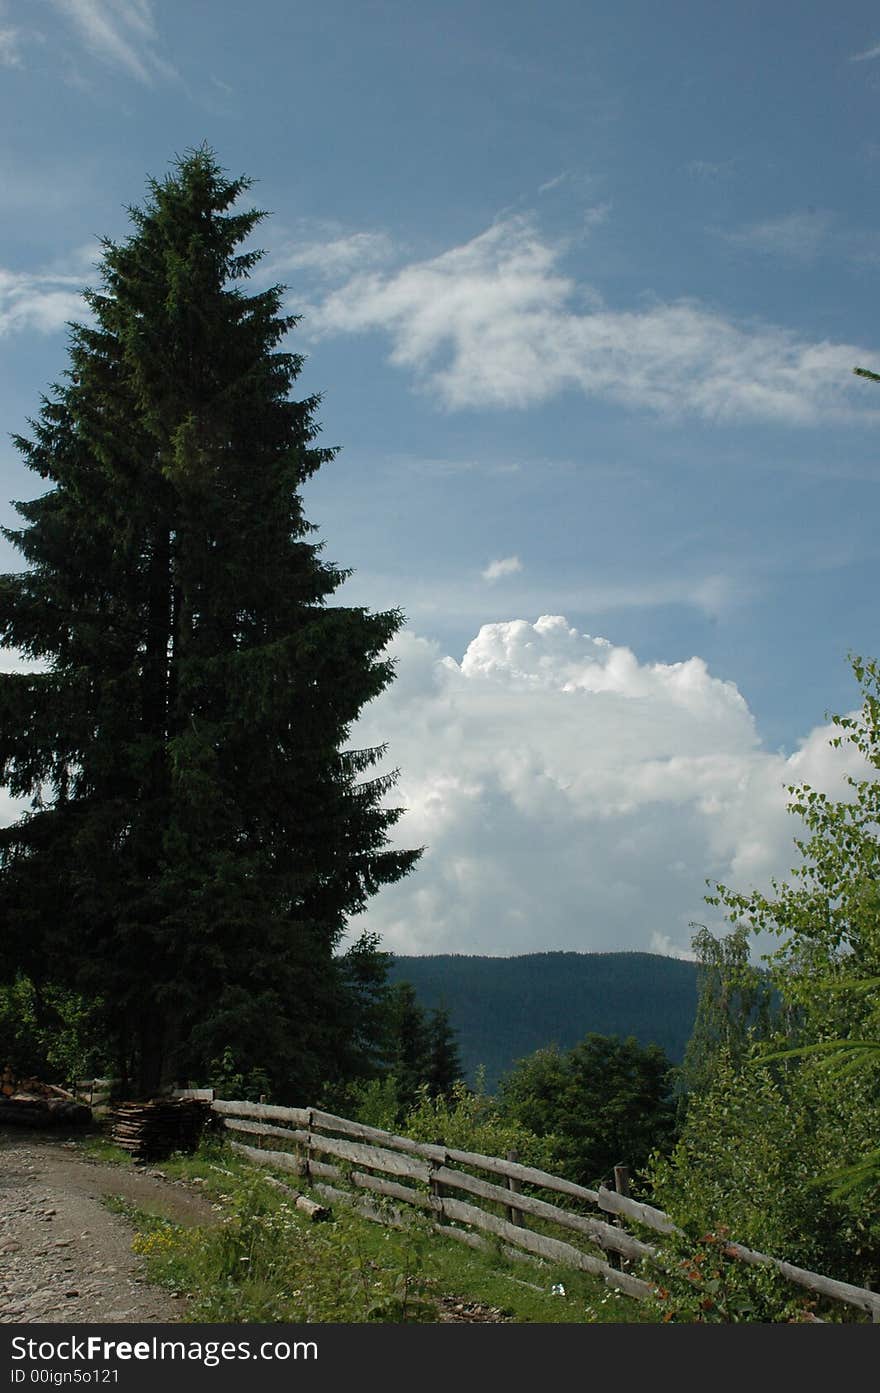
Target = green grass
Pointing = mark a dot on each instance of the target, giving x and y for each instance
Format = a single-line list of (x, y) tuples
[(264, 1261), (98, 1147)]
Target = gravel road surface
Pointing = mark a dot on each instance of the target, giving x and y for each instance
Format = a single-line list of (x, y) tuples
[(64, 1257)]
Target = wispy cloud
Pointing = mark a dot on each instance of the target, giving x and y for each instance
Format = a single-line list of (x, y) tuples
[(494, 323), (43, 301), (119, 32), (709, 169), (333, 258), (556, 182), (14, 39), (506, 566), (10, 48), (596, 216), (867, 55), (427, 598), (802, 238), (795, 236)]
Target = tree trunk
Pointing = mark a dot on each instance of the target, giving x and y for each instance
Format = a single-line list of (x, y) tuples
[(151, 1055)]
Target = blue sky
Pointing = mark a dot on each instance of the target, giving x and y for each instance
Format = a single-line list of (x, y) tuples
[(583, 285)]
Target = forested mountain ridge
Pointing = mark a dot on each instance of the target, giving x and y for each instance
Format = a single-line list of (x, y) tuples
[(504, 1008)]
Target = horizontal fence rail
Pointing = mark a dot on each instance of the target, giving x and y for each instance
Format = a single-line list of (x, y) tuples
[(329, 1151), (95, 1092)]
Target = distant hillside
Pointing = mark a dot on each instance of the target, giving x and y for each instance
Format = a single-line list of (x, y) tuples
[(504, 1008)]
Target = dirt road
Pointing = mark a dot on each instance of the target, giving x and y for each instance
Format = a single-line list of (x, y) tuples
[(64, 1257)]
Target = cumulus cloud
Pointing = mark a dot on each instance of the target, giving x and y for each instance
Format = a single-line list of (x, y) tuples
[(119, 32), (573, 797), (494, 323), (505, 566)]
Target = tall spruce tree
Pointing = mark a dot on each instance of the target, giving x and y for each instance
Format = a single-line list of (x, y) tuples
[(199, 834)]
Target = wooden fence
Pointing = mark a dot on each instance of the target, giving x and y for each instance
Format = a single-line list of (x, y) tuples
[(96, 1092), (329, 1152)]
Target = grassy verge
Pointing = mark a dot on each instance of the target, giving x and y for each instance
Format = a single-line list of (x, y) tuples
[(264, 1261)]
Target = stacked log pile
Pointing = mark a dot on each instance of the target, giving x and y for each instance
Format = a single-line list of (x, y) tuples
[(33, 1103), (151, 1131)]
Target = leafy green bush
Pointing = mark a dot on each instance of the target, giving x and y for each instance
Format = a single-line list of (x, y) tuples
[(51, 1032), (375, 1102), (780, 1138), (231, 1079), (754, 1156), (471, 1121), (827, 969), (702, 1284)]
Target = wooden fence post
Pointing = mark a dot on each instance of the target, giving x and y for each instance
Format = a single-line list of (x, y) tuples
[(436, 1187), (306, 1168), (621, 1185), (514, 1216)]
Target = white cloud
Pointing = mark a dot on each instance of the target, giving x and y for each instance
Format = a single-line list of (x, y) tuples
[(334, 258), (10, 48), (572, 797), (796, 236), (119, 32), (11, 809), (596, 216), (506, 566), (556, 182), (662, 943), (44, 301), (13, 660), (869, 53), (494, 323)]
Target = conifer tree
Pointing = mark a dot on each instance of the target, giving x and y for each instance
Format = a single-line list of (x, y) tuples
[(408, 1043), (444, 1062), (199, 835)]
